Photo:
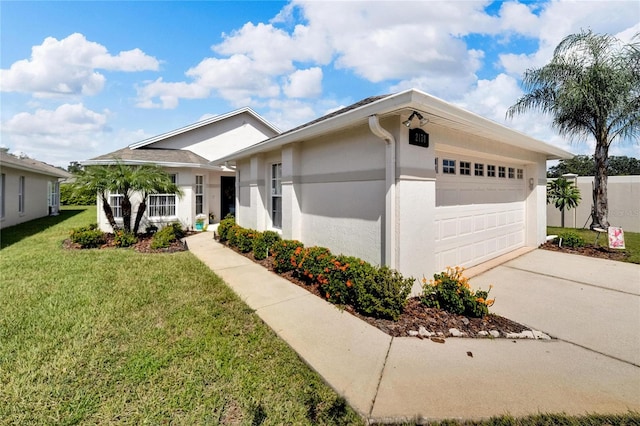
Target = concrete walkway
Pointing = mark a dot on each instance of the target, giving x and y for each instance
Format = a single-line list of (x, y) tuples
[(390, 379)]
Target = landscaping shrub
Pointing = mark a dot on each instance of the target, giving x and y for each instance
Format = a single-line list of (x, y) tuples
[(383, 297), (450, 291), (571, 239), (88, 236), (241, 238), (283, 250), (262, 243), (167, 235), (224, 226), (124, 239), (313, 264), (345, 273)]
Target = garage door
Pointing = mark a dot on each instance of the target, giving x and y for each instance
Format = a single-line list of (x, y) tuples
[(479, 217)]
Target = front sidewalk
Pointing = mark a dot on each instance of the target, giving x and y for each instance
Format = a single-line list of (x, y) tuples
[(394, 379)]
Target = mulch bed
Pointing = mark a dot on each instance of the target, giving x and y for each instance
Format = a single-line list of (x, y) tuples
[(143, 245), (588, 250), (415, 314)]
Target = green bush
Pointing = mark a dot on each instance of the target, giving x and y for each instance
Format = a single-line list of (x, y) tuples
[(224, 226), (241, 238), (262, 243), (450, 291), (283, 250), (88, 236), (314, 264), (124, 239), (571, 239), (383, 297), (70, 196), (167, 235), (346, 273)]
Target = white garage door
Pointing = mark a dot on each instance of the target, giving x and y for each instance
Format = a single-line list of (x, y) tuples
[(479, 217)]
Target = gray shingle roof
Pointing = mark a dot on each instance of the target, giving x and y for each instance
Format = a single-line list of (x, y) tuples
[(8, 160), (153, 155)]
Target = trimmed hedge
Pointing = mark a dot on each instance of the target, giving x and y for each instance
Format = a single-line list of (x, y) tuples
[(88, 236), (343, 280)]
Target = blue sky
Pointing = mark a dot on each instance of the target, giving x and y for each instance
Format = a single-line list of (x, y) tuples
[(81, 79)]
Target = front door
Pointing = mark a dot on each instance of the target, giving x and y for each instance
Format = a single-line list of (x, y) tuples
[(228, 196)]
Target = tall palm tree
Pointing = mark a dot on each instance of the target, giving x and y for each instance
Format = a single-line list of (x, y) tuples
[(147, 180), (564, 195), (591, 88), (96, 179)]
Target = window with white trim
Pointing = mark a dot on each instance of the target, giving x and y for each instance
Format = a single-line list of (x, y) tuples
[(199, 194), (520, 174), (478, 169), (465, 168), (502, 171), (21, 187), (491, 170), (115, 201), (449, 167), (512, 173), (276, 195), (163, 204)]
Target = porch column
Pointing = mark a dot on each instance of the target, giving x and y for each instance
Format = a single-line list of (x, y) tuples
[(257, 188)]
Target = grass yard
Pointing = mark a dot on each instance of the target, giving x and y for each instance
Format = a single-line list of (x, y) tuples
[(632, 240), (115, 336)]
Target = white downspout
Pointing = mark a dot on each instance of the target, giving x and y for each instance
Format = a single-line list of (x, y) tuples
[(390, 198)]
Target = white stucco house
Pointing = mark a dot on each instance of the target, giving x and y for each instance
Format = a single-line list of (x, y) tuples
[(186, 154), (29, 189), (405, 180)]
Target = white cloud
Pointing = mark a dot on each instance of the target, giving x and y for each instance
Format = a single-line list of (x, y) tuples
[(68, 67), (64, 121), (304, 83)]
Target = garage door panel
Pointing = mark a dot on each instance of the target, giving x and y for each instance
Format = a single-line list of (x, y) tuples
[(471, 234)]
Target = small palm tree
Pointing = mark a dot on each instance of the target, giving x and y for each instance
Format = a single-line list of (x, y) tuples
[(147, 180), (564, 195), (96, 180)]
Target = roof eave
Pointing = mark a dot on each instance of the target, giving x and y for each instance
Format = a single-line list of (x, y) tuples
[(171, 164)]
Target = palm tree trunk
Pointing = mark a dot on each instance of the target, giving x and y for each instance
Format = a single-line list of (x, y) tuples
[(142, 207), (599, 214), (108, 212), (126, 213)]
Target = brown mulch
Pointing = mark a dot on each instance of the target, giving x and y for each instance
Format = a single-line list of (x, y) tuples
[(143, 245), (415, 315), (588, 250)]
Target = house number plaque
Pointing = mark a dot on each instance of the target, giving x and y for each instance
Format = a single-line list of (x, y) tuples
[(419, 137)]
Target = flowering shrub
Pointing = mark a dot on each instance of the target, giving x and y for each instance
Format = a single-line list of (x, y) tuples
[(283, 250), (450, 291), (385, 296), (241, 238), (262, 243), (223, 228), (124, 239)]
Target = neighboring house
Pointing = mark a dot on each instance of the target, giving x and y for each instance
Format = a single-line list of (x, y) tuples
[(377, 181), (185, 154), (29, 189), (623, 195)]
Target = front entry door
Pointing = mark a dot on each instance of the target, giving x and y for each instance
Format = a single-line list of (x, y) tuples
[(228, 196)]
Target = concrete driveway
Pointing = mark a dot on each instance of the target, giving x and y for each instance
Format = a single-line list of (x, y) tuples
[(592, 303)]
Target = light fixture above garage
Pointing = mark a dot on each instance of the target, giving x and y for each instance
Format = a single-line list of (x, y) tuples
[(415, 114)]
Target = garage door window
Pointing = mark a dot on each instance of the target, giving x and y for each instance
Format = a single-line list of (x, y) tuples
[(491, 171), (449, 167), (478, 169), (502, 172), (512, 173), (520, 174), (465, 168)]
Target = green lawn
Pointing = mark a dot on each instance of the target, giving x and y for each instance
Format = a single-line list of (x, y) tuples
[(632, 240), (118, 337), (115, 336)]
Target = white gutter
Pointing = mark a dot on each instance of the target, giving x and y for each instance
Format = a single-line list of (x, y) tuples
[(390, 197)]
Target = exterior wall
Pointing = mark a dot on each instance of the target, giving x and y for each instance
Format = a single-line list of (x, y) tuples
[(335, 194), (185, 206), (220, 138), (36, 196), (623, 193)]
